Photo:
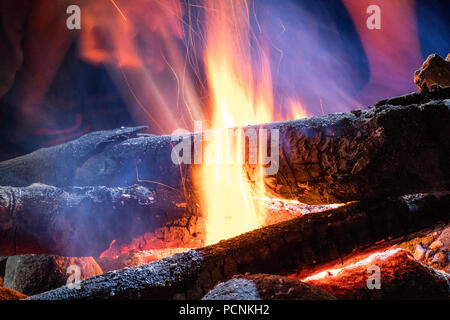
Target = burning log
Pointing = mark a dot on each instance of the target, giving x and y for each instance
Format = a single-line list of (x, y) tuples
[(266, 287), (399, 146), (83, 221), (400, 277), (434, 73), (308, 243)]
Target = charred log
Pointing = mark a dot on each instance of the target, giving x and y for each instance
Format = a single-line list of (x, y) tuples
[(266, 287), (400, 277), (399, 146), (434, 73), (83, 221), (306, 243), (58, 165)]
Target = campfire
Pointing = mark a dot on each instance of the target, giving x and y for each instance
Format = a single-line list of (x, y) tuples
[(259, 191)]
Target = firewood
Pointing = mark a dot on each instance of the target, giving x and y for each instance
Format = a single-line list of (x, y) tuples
[(307, 243), (400, 277), (57, 165), (35, 273), (398, 146), (84, 221), (434, 73), (266, 287), (431, 250)]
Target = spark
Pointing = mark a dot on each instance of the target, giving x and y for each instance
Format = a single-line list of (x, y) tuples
[(119, 10), (143, 108), (321, 107), (151, 181)]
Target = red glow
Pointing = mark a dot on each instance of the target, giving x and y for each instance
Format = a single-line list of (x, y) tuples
[(393, 51)]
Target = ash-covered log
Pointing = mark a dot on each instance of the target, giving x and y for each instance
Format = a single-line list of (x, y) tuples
[(266, 287), (58, 165), (399, 146), (84, 221), (400, 276), (308, 243)]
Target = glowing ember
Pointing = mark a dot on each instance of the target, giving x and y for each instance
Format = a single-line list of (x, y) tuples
[(375, 256)]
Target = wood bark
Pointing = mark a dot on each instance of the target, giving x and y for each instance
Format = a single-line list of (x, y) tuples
[(400, 277), (398, 146), (80, 221), (305, 243), (83, 221), (58, 165)]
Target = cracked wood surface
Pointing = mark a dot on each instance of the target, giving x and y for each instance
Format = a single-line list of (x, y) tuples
[(83, 221), (398, 146)]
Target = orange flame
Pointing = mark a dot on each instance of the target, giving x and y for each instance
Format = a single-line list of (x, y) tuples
[(298, 110), (239, 98)]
